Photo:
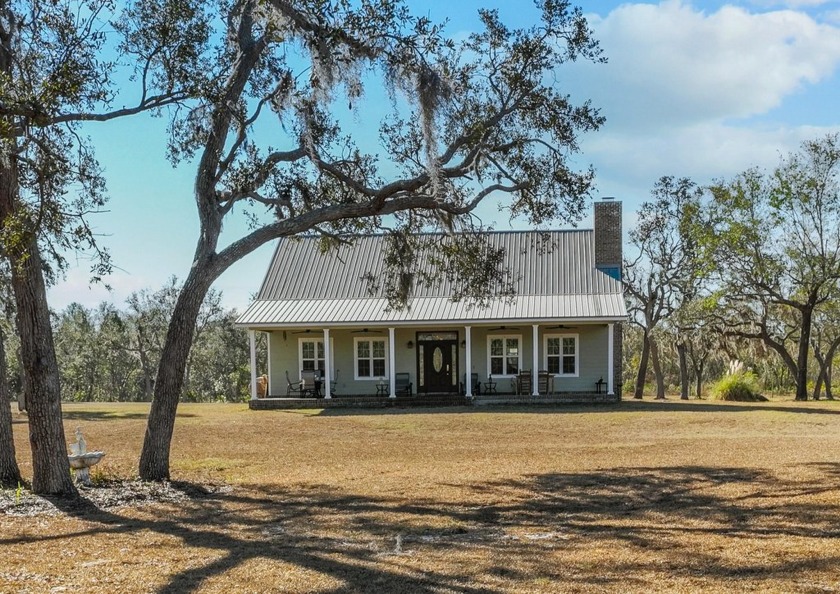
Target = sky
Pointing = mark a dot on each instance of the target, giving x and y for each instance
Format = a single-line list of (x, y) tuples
[(703, 89)]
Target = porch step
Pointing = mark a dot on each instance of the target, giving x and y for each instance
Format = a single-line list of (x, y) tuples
[(432, 400), (359, 402), (561, 398)]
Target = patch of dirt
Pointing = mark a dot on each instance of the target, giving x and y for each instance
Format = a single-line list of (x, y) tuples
[(107, 495)]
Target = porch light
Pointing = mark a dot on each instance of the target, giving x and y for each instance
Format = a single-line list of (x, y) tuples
[(463, 344), (410, 344)]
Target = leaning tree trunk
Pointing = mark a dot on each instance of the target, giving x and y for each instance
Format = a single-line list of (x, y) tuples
[(825, 362), (681, 352), (41, 384), (819, 383), (802, 358), (9, 471), (657, 370), (154, 459), (641, 376)]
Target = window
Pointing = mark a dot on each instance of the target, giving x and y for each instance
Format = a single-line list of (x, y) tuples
[(561, 354), (369, 356), (312, 354), (504, 355)]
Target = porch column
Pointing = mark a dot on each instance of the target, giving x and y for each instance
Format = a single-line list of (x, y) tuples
[(327, 363), (610, 355), (252, 339), (468, 361), (392, 364), (535, 370)]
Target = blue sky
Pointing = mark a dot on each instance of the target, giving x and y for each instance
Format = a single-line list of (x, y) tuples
[(699, 89)]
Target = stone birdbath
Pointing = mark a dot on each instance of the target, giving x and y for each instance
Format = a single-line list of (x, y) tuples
[(81, 460)]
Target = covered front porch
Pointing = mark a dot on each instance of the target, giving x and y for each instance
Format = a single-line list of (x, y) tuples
[(513, 361)]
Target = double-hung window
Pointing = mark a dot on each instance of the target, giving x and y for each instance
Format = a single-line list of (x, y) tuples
[(369, 356), (311, 354), (504, 354), (562, 354)]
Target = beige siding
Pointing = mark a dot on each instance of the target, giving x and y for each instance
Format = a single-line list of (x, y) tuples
[(592, 358)]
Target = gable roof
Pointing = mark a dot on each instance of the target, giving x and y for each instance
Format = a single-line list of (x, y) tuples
[(555, 279)]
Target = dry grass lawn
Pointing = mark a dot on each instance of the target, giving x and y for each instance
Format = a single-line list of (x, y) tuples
[(637, 497)]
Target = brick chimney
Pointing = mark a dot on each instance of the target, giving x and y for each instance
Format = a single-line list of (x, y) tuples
[(608, 237), (608, 259)]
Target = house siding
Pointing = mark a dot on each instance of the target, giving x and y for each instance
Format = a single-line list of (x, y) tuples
[(592, 344)]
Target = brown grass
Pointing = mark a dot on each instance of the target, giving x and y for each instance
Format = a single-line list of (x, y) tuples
[(639, 497)]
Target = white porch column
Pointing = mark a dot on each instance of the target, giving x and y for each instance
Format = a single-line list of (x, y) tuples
[(252, 339), (468, 361), (535, 370), (392, 365), (610, 355), (327, 363)]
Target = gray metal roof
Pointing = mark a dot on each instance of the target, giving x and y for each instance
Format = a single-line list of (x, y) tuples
[(555, 279)]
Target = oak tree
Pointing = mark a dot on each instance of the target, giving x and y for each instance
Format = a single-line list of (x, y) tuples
[(775, 239), (471, 120), (57, 64)]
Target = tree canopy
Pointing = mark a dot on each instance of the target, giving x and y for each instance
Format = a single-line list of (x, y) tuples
[(470, 119)]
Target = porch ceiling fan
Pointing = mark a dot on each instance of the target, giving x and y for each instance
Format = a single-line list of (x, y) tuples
[(366, 331), (502, 328), (560, 327), (307, 331)]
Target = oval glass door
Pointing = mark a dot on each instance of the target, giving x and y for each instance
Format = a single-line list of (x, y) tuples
[(437, 359)]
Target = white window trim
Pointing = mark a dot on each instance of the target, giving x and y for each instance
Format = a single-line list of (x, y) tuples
[(373, 378), (302, 339), (577, 353), (491, 337)]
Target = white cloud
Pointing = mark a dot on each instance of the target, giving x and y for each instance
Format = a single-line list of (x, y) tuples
[(702, 94), (703, 152), (671, 64), (791, 3)]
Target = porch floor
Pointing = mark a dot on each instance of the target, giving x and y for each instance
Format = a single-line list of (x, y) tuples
[(431, 400)]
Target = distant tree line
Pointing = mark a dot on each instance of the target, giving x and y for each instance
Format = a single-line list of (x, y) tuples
[(745, 269), (111, 354)]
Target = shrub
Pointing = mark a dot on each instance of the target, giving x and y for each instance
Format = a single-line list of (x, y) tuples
[(741, 386)]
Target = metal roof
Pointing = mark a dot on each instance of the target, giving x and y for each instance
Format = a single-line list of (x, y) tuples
[(554, 279)]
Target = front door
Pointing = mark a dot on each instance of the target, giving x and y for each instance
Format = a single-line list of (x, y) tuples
[(437, 363)]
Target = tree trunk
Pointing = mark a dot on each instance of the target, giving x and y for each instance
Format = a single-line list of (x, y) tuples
[(804, 350), (826, 363), (643, 365), (41, 382), (154, 459), (699, 371), (9, 471), (681, 352), (819, 383), (657, 370)]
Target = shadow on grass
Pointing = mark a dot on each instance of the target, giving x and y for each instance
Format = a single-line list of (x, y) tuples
[(19, 418), (713, 406), (104, 415), (652, 406), (661, 518)]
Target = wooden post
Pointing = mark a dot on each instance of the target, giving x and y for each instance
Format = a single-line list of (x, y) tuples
[(535, 358), (468, 362), (610, 358), (252, 339), (327, 363), (392, 378)]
